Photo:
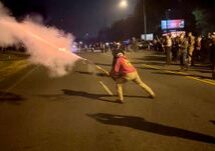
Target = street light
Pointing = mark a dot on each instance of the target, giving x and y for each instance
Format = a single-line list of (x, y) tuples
[(123, 4), (144, 18)]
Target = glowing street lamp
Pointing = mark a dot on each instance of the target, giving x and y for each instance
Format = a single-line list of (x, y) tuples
[(123, 4)]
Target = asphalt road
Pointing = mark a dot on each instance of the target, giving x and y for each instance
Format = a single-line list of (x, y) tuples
[(76, 113)]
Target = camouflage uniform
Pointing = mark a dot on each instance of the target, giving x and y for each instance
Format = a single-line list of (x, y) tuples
[(191, 47), (183, 46)]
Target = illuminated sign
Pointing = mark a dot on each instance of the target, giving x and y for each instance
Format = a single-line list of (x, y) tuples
[(147, 37), (172, 24), (174, 33)]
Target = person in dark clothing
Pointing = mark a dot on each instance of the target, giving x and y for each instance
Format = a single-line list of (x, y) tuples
[(197, 51), (175, 49), (207, 49), (115, 50), (213, 57)]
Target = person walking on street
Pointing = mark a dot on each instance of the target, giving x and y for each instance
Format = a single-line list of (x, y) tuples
[(124, 71)]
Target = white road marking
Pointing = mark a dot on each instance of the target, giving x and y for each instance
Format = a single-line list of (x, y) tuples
[(21, 79), (106, 88)]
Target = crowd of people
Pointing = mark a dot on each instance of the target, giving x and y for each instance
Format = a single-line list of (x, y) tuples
[(187, 49), (128, 45)]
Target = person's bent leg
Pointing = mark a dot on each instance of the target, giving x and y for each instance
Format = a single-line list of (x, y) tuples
[(119, 87), (120, 92), (145, 87)]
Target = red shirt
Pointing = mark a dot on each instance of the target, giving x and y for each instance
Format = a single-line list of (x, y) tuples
[(123, 66)]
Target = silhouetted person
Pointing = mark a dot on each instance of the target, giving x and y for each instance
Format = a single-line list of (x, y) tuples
[(197, 50), (213, 57)]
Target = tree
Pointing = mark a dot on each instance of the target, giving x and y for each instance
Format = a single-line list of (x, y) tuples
[(204, 21), (201, 18)]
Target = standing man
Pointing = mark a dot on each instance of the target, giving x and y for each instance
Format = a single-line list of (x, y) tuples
[(168, 48), (124, 71), (208, 44), (213, 56), (183, 47), (197, 50), (191, 47), (175, 49)]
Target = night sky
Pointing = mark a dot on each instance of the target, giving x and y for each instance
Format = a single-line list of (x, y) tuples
[(76, 16), (87, 17)]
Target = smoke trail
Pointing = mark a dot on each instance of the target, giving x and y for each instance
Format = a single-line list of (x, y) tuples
[(47, 46)]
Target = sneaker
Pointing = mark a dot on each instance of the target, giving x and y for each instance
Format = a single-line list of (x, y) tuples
[(119, 101), (152, 96)]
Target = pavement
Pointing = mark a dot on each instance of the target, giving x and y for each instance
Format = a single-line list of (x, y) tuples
[(11, 63), (79, 112)]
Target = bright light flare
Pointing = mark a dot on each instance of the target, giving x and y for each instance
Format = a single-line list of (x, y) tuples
[(123, 4)]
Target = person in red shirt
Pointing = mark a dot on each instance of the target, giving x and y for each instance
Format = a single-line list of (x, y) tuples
[(124, 71)]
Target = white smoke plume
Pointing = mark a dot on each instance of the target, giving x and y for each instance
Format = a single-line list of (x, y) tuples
[(47, 46)]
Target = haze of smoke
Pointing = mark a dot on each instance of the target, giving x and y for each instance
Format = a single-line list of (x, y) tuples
[(47, 46)]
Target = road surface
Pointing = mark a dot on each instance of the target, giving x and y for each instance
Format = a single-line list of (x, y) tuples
[(78, 113)]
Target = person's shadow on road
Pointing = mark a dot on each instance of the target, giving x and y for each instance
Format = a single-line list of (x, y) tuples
[(7, 97), (144, 125), (95, 96)]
